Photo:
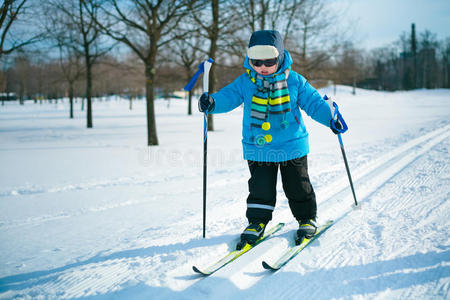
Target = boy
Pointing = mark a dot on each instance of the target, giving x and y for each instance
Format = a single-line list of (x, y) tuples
[(274, 135)]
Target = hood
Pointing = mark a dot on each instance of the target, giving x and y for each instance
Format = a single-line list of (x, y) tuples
[(265, 44)]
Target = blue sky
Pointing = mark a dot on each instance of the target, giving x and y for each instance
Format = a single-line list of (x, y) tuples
[(380, 22)]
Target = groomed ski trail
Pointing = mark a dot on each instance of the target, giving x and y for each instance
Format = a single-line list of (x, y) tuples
[(386, 188), (379, 268), (356, 258), (338, 205)]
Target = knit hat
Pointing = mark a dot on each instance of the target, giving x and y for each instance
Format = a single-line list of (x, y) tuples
[(266, 44)]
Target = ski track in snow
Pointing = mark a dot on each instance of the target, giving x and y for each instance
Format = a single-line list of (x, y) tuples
[(380, 268), (327, 193), (396, 170), (108, 275), (408, 183)]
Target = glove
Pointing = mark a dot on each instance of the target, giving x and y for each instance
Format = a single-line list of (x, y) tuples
[(206, 103), (337, 124)]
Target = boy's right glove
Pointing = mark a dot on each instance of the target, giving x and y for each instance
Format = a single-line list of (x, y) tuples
[(206, 103)]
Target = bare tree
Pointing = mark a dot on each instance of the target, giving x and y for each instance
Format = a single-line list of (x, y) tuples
[(445, 54), (385, 68), (414, 55), (280, 15), (418, 60), (131, 81), (228, 24), (306, 29), (350, 65), (270, 14), (13, 12), (144, 26), (73, 26), (186, 53), (256, 12), (189, 59), (66, 36), (428, 46), (71, 65), (216, 22), (313, 33), (23, 66)]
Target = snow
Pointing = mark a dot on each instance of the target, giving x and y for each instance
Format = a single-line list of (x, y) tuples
[(95, 213)]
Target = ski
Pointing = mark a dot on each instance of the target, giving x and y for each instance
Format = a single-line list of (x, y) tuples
[(232, 255), (292, 251)]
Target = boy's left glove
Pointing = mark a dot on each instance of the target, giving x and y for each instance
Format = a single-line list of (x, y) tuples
[(206, 103), (337, 126), (337, 123)]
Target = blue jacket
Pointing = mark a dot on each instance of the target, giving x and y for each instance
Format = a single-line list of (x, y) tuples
[(288, 143)]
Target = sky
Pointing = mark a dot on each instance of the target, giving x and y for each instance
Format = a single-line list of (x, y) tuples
[(377, 23)]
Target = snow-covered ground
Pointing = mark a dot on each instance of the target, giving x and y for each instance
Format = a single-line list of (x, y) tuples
[(95, 213)]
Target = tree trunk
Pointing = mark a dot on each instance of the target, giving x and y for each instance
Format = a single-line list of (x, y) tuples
[(88, 91), (151, 124), (190, 103), (424, 73), (21, 93), (214, 36), (303, 54), (414, 54), (71, 99)]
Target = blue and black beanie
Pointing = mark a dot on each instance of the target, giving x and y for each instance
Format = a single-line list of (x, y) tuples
[(266, 44)]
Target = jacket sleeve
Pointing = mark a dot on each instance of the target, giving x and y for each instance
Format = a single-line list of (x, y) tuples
[(229, 97), (312, 103)]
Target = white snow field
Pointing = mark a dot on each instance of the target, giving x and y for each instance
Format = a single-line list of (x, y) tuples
[(96, 214)]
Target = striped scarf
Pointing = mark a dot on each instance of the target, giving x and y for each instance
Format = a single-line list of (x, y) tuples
[(271, 97)]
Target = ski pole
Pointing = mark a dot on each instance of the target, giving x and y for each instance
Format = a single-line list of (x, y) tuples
[(204, 67), (207, 67), (347, 168), (337, 116)]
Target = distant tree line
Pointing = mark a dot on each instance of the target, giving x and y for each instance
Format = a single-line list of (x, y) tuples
[(146, 48), (413, 61)]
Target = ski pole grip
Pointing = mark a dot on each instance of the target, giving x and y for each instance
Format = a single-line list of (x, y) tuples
[(206, 66)]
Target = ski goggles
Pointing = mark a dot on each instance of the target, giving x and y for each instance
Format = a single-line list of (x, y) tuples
[(267, 62)]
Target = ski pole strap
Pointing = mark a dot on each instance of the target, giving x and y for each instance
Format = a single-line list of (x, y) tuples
[(191, 83), (337, 116), (201, 69), (205, 125)]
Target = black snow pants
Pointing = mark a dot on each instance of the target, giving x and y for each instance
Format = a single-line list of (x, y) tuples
[(296, 185)]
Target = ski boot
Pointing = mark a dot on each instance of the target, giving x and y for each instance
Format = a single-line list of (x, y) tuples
[(307, 229), (251, 234)]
